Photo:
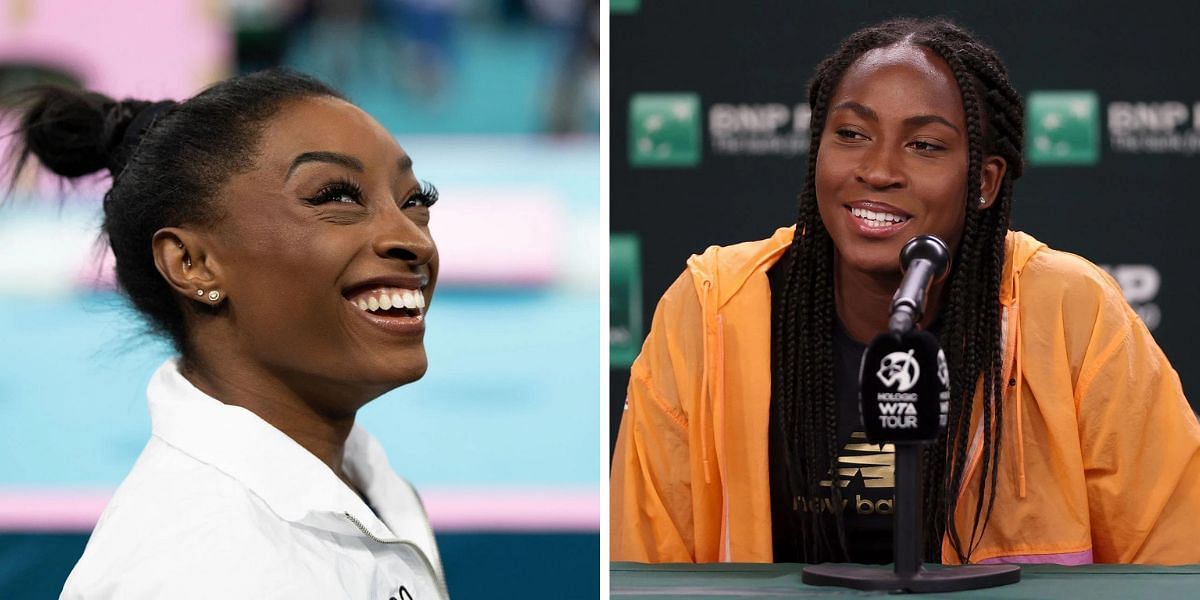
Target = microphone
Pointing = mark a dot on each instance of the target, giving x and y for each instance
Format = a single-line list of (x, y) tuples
[(924, 260), (904, 400), (904, 388)]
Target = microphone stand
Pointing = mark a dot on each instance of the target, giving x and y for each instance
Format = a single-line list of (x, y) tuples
[(908, 574), (928, 258)]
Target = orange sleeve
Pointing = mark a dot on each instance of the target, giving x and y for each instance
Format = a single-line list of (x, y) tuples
[(651, 486), (1140, 440)]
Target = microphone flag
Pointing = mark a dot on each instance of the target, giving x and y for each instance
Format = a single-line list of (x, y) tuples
[(904, 388)]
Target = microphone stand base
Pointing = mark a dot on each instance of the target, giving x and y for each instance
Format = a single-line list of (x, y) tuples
[(948, 579)]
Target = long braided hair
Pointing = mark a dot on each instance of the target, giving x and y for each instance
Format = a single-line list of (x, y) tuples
[(971, 317)]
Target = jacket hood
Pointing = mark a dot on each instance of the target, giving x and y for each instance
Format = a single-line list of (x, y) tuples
[(728, 267), (1019, 248)]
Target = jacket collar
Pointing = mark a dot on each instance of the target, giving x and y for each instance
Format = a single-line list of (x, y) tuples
[(293, 482), (728, 268)]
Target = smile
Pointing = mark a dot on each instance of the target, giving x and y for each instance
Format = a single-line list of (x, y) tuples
[(399, 310), (875, 219), (391, 299)]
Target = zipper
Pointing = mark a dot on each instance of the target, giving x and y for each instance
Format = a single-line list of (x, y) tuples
[(429, 529), (437, 577)]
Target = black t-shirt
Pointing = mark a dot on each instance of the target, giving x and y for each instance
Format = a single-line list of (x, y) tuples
[(867, 470)]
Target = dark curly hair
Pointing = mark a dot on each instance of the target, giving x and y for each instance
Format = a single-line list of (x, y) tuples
[(971, 314), (168, 160)]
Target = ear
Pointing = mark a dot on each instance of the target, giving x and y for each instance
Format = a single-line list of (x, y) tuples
[(990, 177), (183, 259)]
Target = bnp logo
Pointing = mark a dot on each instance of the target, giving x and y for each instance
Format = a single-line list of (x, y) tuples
[(623, 7), (664, 130), (1064, 128)]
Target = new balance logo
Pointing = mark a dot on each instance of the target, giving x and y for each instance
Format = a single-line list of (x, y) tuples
[(876, 464)]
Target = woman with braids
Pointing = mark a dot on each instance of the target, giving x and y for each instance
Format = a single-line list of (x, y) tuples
[(276, 234), (1069, 439)]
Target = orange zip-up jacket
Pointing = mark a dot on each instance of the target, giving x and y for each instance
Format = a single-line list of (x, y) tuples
[(1100, 460)]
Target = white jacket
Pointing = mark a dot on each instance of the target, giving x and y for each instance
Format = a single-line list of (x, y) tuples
[(221, 504)]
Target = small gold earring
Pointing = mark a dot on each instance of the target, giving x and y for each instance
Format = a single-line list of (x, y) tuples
[(214, 295)]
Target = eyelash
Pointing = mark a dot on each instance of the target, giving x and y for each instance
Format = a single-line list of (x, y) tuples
[(929, 146), (427, 194), (335, 190)]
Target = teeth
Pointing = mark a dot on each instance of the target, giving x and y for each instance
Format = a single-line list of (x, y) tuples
[(878, 219), (391, 298)]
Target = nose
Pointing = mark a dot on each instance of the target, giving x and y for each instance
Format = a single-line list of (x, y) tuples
[(397, 236), (879, 168)]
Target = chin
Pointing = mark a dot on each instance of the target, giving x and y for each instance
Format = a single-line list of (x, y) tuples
[(404, 372), (881, 258), (387, 371)]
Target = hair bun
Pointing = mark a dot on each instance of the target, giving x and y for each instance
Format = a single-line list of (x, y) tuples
[(78, 132)]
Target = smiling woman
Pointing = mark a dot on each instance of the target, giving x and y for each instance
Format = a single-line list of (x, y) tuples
[(278, 236), (742, 439)]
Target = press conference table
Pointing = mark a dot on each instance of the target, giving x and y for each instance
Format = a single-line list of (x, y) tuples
[(1052, 582)]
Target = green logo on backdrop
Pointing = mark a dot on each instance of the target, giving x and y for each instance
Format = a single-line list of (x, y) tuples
[(1063, 128), (624, 299), (664, 130), (623, 7)]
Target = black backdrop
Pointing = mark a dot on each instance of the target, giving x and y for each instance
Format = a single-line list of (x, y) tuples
[(1126, 201)]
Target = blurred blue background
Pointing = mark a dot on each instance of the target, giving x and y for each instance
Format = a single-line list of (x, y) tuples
[(498, 103)]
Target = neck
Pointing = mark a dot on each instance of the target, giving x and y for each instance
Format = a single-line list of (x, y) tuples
[(279, 401), (862, 301)]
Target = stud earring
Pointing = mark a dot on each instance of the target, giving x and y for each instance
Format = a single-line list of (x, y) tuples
[(982, 200), (187, 260), (214, 295), (199, 292)]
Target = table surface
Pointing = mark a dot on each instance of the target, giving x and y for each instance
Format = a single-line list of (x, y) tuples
[(1052, 582)]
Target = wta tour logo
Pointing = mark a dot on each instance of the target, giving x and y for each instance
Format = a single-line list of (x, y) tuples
[(904, 380), (899, 370), (1063, 128), (664, 130)]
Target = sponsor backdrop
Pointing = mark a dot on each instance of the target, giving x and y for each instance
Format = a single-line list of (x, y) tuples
[(710, 138)]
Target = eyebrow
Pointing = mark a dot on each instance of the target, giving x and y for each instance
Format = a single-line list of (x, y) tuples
[(405, 163), (336, 158), (913, 121)]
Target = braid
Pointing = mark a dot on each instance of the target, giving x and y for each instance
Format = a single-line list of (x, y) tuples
[(971, 312)]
